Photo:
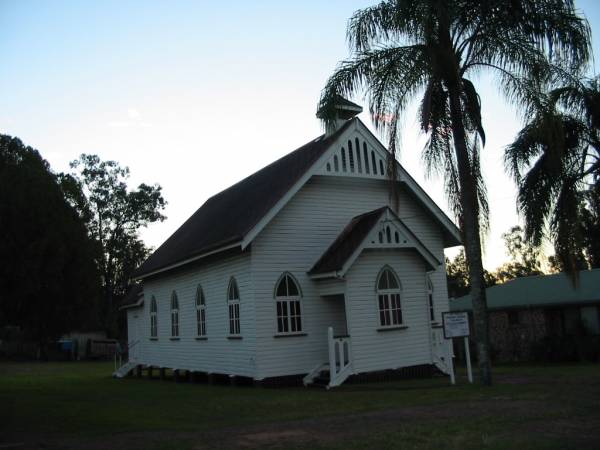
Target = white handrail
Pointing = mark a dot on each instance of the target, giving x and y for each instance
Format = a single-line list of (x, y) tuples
[(119, 354), (332, 364), (442, 353), (340, 358)]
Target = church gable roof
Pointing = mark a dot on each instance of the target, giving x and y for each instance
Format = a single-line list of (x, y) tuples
[(231, 219), (228, 216)]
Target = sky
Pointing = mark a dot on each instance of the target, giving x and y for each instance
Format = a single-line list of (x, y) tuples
[(197, 95)]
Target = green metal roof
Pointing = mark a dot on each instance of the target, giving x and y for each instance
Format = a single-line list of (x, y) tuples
[(543, 290)]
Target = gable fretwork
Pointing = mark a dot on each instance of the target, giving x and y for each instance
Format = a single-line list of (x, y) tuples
[(355, 156)]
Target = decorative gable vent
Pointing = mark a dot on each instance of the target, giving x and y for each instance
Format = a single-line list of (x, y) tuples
[(388, 235), (355, 160)]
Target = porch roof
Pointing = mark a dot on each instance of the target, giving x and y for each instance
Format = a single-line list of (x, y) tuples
[(133, 298), (349, 242)]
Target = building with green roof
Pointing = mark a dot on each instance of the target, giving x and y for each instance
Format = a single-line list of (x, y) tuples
[(527, 312)]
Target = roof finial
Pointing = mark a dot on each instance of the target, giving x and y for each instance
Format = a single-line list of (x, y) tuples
[(344, 110)]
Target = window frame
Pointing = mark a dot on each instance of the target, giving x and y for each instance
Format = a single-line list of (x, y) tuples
[(174, 316), (200, 313), (285, 321), (233, 308), (153, 318), (430, 300), (389, 302)]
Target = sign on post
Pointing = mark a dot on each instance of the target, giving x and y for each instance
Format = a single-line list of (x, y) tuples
[(456, 325)]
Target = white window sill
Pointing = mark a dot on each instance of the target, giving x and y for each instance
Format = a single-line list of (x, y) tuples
[(392, 327), (234, 336), (174, 338), (153, 339), (201, 338), (293, 334)]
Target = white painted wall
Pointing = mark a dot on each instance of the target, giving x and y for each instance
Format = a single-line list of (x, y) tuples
[(373, 349), (293, 242), (217, 353)]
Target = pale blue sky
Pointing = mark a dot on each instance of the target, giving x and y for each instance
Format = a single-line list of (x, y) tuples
[(197, 95)]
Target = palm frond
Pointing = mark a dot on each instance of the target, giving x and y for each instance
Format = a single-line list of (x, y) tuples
[(388, 21), (391, 73), (472, 107)]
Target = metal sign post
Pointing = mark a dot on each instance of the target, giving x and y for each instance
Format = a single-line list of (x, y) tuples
[(457, 325)]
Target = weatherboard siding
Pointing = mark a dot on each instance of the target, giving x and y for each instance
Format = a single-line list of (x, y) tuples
[(373, 349), (295, 239), (292, 242), (216, 353)]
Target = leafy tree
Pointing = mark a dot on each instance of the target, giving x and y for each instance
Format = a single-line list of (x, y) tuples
[(555, 160), (49, 284), (401, 48), (114, 214), (457, 276), (525, 258)]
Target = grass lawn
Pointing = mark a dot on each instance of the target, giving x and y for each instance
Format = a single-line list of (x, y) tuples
[(73, 405)]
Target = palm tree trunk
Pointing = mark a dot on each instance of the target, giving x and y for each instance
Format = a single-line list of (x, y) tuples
[(471, 237)]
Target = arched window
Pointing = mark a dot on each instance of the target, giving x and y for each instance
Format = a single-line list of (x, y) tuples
[(336, 165), (430, 299), (287, 297), (381, 167), (200, 312), (174, 315), (344, 159), (388, 234), (388, 299), (153, 318), (233, 302)]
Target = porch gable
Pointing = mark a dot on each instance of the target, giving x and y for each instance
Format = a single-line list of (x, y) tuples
[(378, 229)]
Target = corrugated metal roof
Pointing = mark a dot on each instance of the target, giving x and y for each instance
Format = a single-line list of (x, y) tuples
[(226, 217), (543, 290)]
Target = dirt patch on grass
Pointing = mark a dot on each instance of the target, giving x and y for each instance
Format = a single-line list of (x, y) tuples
[(323, 430)]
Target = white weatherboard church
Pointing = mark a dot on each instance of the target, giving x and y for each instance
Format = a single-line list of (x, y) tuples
[(304, 269)]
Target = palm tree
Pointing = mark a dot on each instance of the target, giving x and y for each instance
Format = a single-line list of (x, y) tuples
[(402, 48), (555, 160)]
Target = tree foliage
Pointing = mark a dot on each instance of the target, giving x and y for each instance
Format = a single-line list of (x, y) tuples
[(114, 215), (457, 276), (401, 49), (49, 284), (591, 226), (555, 160), (525, 258)]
